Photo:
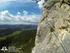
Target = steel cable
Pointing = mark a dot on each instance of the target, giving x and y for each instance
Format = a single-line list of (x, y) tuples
[(60, 41)]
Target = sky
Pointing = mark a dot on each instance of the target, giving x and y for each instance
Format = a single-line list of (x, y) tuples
[(20, 11)]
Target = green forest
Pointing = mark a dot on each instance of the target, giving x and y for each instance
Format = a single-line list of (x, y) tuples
[(18, 41)]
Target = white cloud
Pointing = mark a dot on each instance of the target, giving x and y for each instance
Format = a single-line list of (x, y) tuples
[(4, 12), (6, 17), (18, 13), (40, 3), (19, 1), (25, 12), (24, 1), (3, 1)]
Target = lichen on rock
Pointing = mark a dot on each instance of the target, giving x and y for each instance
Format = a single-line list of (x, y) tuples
[(53, 34)]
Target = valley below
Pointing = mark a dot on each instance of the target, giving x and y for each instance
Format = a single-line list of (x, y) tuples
[(17, 41)]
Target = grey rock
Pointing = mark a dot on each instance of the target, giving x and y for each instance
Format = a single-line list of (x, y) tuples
[(53, 33)]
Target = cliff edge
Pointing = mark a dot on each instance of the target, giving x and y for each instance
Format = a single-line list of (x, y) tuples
[(53, 33)]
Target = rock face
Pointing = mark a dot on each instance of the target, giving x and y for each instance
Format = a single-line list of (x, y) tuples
[(53, 33)]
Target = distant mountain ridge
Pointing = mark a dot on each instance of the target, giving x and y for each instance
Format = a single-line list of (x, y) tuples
[(7, 29), (17, 27)]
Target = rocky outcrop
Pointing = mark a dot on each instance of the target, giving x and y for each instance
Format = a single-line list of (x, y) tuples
[(53, 33)]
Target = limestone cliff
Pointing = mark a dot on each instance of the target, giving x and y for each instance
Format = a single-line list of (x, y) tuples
[(53, 33)]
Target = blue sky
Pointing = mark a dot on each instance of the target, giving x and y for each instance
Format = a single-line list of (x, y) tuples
[(19, 11)]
